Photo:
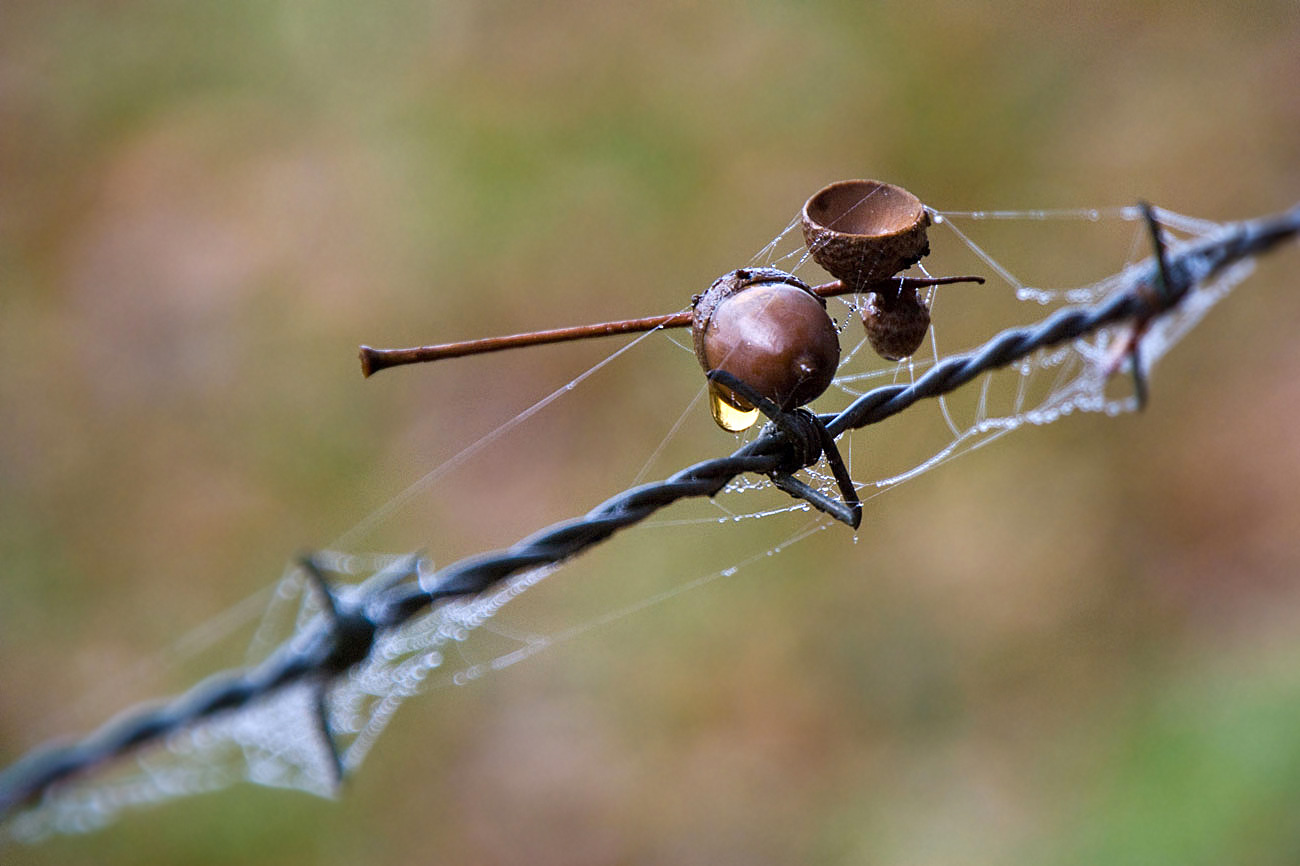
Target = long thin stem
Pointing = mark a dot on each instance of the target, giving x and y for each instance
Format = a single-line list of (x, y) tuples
[(374, 360)]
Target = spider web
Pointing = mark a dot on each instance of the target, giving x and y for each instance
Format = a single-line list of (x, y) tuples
[(276, 741)]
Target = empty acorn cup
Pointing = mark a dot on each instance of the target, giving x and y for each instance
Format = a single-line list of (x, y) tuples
[(865, 230)]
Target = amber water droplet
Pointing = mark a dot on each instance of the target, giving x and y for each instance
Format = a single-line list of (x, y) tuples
[(729, 416)]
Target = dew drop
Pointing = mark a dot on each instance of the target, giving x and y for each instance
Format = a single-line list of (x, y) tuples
[(728, 416)]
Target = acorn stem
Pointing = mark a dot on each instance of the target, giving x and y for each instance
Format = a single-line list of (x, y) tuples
[(374, 360), (890, 285)]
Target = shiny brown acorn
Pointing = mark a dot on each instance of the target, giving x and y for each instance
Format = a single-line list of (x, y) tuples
[(770, 330)]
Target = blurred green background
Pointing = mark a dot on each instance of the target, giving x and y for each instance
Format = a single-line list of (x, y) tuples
[(1076, 646)]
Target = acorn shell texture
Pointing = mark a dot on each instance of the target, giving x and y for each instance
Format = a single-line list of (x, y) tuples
[(865, 230), (896, 325), (768, 329)]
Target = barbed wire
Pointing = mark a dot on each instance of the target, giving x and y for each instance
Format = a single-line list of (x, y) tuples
[(345, 634)]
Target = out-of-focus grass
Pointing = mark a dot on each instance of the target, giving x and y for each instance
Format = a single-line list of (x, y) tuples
[(1206, 771), (203, 209)]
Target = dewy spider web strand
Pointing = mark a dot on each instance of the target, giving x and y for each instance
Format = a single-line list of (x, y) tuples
[(345, 635)]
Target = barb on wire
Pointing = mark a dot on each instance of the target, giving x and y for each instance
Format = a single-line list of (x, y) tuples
[(344, 635)]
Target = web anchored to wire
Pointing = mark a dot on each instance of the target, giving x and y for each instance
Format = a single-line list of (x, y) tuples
[(352, 657)]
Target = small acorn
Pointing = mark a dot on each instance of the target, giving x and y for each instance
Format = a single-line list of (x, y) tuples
[(896, 323), (767, 328), (865, 231)]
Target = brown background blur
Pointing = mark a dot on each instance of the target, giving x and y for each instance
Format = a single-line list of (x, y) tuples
[(1076, 646)]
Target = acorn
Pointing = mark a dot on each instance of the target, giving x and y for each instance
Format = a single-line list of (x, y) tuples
[(865, 231), (771, 331), (896, 323), (766, 327)]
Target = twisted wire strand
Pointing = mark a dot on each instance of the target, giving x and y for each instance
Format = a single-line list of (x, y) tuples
[(329, 646)]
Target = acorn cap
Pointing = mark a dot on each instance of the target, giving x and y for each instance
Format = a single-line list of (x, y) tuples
[(865, 230)]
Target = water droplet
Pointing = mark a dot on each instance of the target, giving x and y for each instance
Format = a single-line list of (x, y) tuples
[(729, 416)]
